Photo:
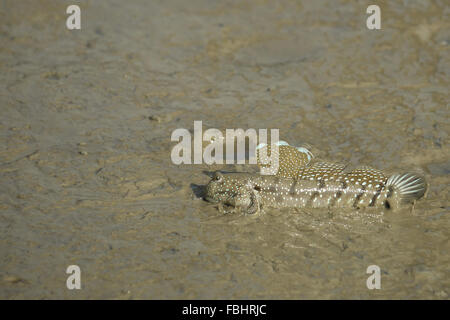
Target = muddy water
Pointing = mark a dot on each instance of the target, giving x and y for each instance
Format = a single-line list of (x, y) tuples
[(86, 120)]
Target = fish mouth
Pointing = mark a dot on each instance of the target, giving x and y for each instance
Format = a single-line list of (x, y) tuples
[(209, 199)]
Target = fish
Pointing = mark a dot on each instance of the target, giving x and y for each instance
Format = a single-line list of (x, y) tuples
[(250, 192), (302, 182)]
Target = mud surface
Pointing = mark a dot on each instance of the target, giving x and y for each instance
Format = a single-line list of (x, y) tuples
[(86, 176)]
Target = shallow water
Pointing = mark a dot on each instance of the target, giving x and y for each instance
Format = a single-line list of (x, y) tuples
[(85, 167)]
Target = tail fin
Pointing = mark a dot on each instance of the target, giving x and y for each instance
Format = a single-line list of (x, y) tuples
[(406, 187)]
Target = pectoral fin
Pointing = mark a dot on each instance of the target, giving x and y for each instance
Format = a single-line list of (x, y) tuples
[(254, 206)]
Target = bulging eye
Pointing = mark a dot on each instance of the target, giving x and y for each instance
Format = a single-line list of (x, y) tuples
[(217, 177)]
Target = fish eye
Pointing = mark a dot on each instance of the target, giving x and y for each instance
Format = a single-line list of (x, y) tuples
[(217, 178)]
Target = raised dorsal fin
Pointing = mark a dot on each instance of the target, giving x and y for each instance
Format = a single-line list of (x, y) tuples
[(290, 159), (299, 163)]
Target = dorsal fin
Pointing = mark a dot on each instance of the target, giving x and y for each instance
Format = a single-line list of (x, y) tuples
[(291, 159)]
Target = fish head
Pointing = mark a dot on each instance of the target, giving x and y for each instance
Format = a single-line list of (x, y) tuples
[(229, 189)]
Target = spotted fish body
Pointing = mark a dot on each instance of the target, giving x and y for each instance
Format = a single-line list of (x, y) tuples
[(251, 192), (302, 183)]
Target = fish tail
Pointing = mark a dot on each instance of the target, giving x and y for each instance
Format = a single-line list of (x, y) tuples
[(405, 188)]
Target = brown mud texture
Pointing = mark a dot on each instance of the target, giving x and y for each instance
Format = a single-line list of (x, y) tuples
[(86, 176)]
